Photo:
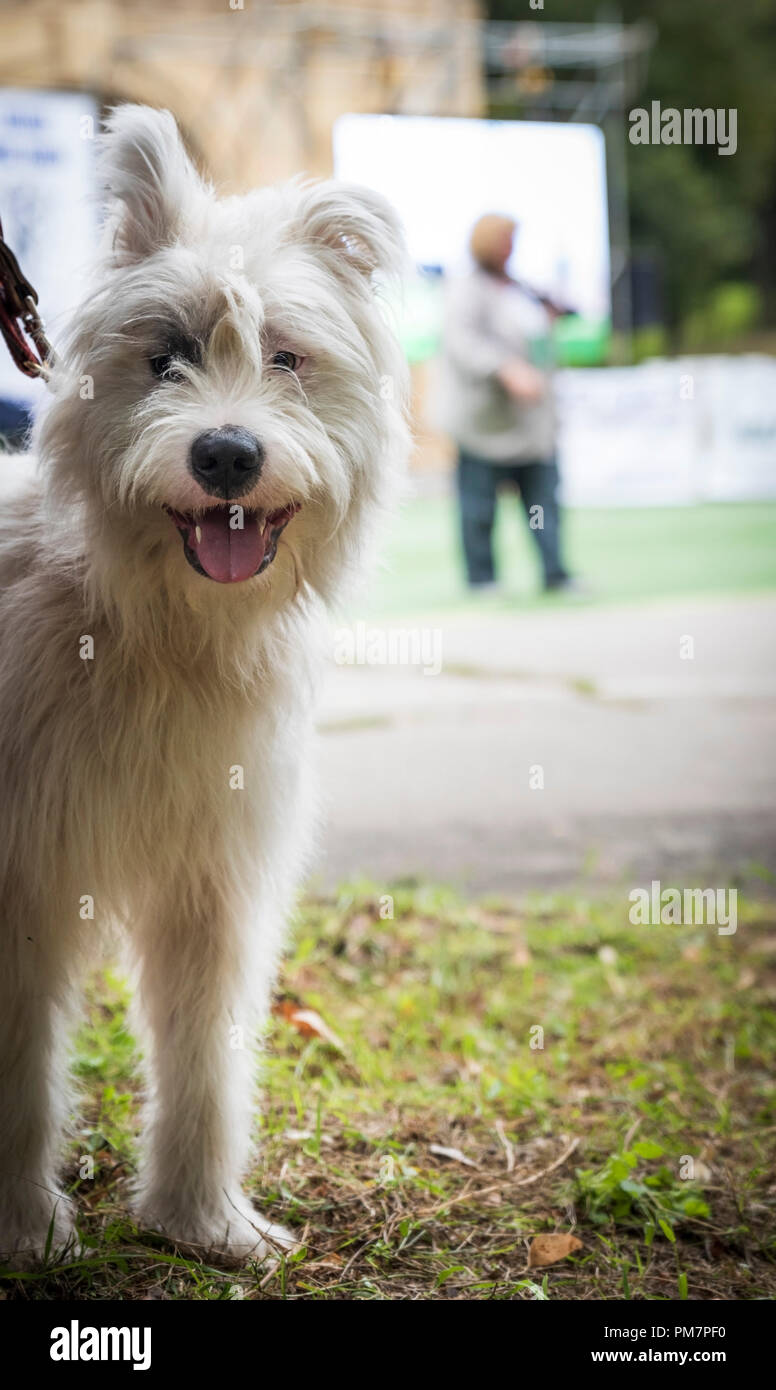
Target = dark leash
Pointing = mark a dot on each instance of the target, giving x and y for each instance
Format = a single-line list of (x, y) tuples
[(20, 322), (561, 311)]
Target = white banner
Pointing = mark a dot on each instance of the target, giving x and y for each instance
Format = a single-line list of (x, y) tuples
[(693, 429), (47, 206)]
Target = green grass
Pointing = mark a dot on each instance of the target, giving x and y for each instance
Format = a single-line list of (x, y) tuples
[(658, 1046), (625, 554)]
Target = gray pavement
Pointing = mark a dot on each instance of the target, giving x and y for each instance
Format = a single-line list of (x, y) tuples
[(654, 765)]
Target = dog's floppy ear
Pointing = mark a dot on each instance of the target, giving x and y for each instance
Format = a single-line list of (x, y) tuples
[(358, 226), (149, 181)]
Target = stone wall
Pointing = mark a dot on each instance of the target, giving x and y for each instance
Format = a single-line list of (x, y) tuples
[(256, 89)]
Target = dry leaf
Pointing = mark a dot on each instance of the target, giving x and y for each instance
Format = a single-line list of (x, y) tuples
[(332, 1261), (548, 1249), (455, 1154), (507, 1145), (692, 952), (308, 1022), (504, 924), (301, 1136)]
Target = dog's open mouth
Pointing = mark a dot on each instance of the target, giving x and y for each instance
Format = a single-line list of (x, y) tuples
[(231, 543)]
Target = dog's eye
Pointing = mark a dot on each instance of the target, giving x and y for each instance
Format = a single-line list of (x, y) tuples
[(163, 367), (289, 361)]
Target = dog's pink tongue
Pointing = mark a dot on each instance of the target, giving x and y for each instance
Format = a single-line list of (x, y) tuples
[(227, 554)]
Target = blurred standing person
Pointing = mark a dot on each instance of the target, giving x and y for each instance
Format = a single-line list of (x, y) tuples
[(500, 408)]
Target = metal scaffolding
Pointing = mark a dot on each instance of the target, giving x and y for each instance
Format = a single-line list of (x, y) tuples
[(577, 72)]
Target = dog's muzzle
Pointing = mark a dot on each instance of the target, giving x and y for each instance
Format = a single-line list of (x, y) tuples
[(229, 543), (226, 462)]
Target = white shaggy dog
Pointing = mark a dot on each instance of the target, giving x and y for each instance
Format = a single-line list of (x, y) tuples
[(224, 422)]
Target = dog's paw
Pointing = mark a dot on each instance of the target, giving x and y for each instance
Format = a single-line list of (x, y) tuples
[(25, 1243), (249, 1236), (237, 1235)]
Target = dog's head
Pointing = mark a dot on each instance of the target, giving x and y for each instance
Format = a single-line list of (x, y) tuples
[(230, 403)]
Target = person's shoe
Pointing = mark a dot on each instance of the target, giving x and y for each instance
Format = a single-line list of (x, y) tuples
[(490, 589), (568, 587)]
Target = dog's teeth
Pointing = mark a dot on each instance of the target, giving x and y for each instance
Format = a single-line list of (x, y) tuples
[(198, 533)]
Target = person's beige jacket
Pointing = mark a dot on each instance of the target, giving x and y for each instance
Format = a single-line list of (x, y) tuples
[(487, 322)]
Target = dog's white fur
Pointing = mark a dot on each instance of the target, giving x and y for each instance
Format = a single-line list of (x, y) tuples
[(120, 771)]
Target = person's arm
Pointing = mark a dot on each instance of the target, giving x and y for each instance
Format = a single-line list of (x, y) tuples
[(473, 351), (522, 380), (470, 348)]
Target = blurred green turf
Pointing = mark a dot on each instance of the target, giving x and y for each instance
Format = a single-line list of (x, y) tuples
[(624, 554)]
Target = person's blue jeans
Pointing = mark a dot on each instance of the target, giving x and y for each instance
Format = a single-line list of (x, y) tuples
[(15, 424), (478, 484)]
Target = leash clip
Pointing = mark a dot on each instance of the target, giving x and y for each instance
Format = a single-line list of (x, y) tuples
[(18, 305)]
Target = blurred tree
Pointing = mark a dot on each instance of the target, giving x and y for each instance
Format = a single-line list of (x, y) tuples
[(708, 216)]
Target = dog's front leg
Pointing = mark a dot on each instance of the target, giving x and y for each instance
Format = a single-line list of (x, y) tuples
[(38, 961), (204, 979)]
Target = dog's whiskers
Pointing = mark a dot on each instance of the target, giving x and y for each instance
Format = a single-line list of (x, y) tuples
[(298, 577)]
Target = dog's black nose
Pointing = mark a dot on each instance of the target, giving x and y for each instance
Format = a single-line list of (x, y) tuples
[(226, 462)]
